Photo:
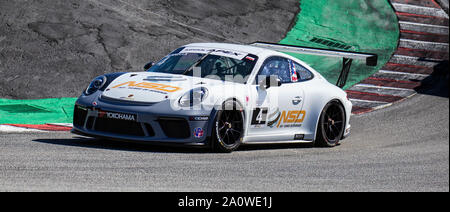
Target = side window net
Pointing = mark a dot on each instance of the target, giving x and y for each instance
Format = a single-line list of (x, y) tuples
[(303, 74)]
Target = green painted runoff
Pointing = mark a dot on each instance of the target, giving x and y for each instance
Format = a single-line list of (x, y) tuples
[(369, 26)]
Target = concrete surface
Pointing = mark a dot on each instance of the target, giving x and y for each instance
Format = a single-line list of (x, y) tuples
[(55, 48)]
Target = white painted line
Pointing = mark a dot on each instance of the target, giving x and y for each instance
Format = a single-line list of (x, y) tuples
[(419, 10), (383, 87), (368, 104), (382, 106), (13, 129), (425, 45), (402, 59), (400, 75), (423, 25), (435, 29), (368, 101), (62, 124), (392, 91), (403, 73)]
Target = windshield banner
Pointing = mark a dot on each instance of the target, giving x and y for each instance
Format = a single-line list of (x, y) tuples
[(214, 51)]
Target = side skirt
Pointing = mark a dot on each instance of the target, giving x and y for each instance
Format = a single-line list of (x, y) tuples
[(278, 142)]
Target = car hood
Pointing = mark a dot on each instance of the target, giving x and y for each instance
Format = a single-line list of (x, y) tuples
[(151, 87)]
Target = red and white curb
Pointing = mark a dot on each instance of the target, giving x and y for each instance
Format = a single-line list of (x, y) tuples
[(22, 128), (423, 44)]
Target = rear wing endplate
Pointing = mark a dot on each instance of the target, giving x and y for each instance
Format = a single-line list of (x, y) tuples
[(348, 57)]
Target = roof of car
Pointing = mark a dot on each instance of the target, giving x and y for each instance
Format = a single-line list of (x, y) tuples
[(229, 46)]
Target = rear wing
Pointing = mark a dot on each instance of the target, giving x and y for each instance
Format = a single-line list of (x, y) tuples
[(348, 57)]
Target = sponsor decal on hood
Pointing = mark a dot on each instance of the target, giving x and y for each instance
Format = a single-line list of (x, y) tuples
[(144, 87), (148, 85)]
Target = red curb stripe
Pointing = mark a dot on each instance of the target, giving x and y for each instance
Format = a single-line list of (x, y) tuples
[(391, 83), (417, 15), (46, 127), (436, 4), (373, 96), (419, 33), (406, 68), (360, 110), (392, 80), (422, 3), (422, 53), (423, 19), (422, 37), (432, 20)]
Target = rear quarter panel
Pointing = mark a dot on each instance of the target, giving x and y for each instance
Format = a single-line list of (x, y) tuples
[(317, 94)]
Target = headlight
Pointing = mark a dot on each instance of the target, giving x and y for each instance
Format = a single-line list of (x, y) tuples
[(96, 84), (193, 97)]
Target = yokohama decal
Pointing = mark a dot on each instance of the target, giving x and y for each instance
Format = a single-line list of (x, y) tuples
[(121, 116)]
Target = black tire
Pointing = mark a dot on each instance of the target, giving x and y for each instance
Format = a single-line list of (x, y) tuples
[(228, 128), (331, 125)]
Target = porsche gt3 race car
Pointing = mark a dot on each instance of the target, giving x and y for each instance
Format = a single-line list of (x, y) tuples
[(222, 96)]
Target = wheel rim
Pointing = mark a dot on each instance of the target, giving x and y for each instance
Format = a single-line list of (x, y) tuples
[(333, 123), (229, 127)]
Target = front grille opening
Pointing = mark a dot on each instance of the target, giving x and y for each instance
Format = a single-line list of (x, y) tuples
[(79, 116), (90, 122), (116, 126), (149, 129), (175, 127)]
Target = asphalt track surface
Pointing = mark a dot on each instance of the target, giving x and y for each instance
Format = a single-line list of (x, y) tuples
[(67, 44), (401, 148)]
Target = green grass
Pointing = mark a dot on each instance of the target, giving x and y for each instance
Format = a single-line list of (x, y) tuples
[(38, 111), (352, 25)]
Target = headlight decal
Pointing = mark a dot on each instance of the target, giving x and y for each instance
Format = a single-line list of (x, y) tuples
[(101, 82), (109, 78), (193, 97), (95, 85)]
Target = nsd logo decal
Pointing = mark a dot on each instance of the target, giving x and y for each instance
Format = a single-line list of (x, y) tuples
[(112, 115), (149, 85), (292, 118)]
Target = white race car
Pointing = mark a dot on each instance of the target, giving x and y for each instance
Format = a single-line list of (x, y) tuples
[(222, 96)]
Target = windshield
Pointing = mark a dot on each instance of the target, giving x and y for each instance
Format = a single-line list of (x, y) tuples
[(211, 63)]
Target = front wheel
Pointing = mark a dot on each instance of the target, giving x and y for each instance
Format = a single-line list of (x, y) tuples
[(228, 127), (331, 125)]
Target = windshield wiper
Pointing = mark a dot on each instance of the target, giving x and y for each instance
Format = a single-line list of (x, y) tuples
[(197, 62)]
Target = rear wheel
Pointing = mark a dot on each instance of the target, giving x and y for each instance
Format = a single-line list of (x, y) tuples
[(228, 127), (331, 125)]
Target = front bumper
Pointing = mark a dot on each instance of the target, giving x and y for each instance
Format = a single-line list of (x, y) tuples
[(153, 122)]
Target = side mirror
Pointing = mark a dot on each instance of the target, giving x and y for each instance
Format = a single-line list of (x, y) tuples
[(148, 65), (269, 81)]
